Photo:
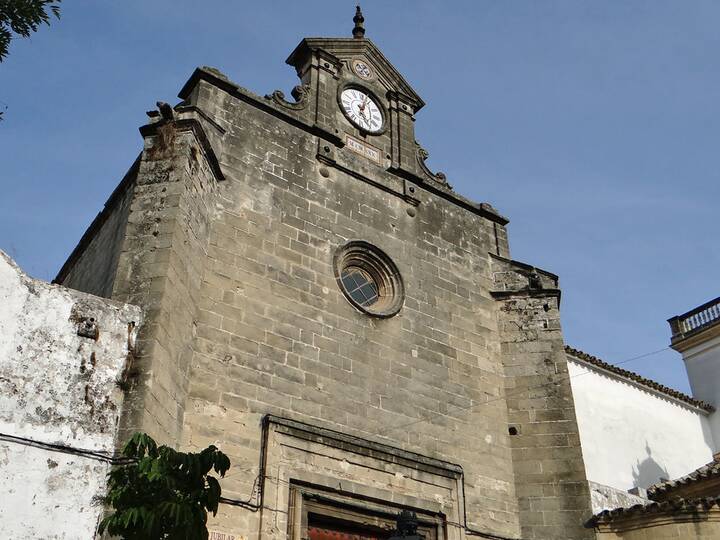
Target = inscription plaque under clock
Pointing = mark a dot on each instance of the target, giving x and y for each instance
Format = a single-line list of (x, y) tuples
[(364, 149)]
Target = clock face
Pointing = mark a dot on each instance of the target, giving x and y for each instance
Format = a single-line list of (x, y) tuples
[(361, 110)]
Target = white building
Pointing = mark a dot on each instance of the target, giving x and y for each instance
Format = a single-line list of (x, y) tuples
[(696, 335), (635, 432)]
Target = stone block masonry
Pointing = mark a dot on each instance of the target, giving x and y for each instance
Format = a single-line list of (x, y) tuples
[(160, 267), (276, 335), (550, 480), (238, 211), (92, 265)]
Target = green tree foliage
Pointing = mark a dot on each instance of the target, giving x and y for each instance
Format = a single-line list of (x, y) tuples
[(22, 18), (162, 493)]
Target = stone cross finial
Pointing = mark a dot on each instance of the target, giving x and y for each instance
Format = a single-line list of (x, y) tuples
[(359, 30)]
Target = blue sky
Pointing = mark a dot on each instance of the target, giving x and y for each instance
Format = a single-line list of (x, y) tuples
[(592, 125)]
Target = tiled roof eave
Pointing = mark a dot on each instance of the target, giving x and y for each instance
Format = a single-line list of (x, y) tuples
[(706, 472), (638, 379), (672, 507)]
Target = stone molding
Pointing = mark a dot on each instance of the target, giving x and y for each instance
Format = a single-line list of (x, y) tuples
[(351, 47), (439, 177), (269, 106), (195, 127), (365, 447), (301, 94)]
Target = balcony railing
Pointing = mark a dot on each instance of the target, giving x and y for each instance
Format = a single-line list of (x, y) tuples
[(695, 319)]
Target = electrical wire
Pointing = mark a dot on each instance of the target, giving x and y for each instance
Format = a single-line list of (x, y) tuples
[(119, 460), (520, 391), (65, 449), (257, 491)]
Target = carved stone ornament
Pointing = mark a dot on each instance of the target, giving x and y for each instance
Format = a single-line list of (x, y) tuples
[(534, 281), (300, 94), (438, 177)]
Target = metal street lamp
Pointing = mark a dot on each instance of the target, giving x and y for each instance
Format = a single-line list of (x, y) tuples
[(407, 524)]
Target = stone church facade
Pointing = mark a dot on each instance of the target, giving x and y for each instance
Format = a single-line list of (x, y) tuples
[(347, 328)]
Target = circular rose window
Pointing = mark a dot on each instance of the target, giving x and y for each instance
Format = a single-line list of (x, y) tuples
[(369, 279)]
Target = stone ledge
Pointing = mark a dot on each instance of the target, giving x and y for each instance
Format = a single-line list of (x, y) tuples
[(358, 445), (219, 80)]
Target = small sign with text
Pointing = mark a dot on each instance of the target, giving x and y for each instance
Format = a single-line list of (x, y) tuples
[(215, 535), (363, 149)]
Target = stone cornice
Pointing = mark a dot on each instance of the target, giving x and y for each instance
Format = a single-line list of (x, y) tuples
[(685, 342), (265, 104), (527, 293), (193, 126), (362, 446), (353, 47), (217, 79)]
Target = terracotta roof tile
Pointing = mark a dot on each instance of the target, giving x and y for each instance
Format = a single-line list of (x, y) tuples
[(672, 506), (590, 359), (710, 470)]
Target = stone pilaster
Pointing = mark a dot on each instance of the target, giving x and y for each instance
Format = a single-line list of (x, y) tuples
[(160, 269), (550, 481)]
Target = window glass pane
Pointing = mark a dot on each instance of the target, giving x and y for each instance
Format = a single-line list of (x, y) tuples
[(369, 291), (349, 281), (360, 286)]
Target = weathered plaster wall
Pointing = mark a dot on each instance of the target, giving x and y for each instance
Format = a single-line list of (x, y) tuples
[(631, 436), (56, 387)]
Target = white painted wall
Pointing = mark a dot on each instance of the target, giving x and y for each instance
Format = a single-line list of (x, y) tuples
[(632, 436), (60, 388), (702, 363)]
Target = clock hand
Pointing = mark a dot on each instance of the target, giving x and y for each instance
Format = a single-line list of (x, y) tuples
[(361, 108), (367, 120)]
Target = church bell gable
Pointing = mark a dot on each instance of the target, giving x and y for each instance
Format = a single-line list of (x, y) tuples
[(342, 52), (359, 108), (343, 73)]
